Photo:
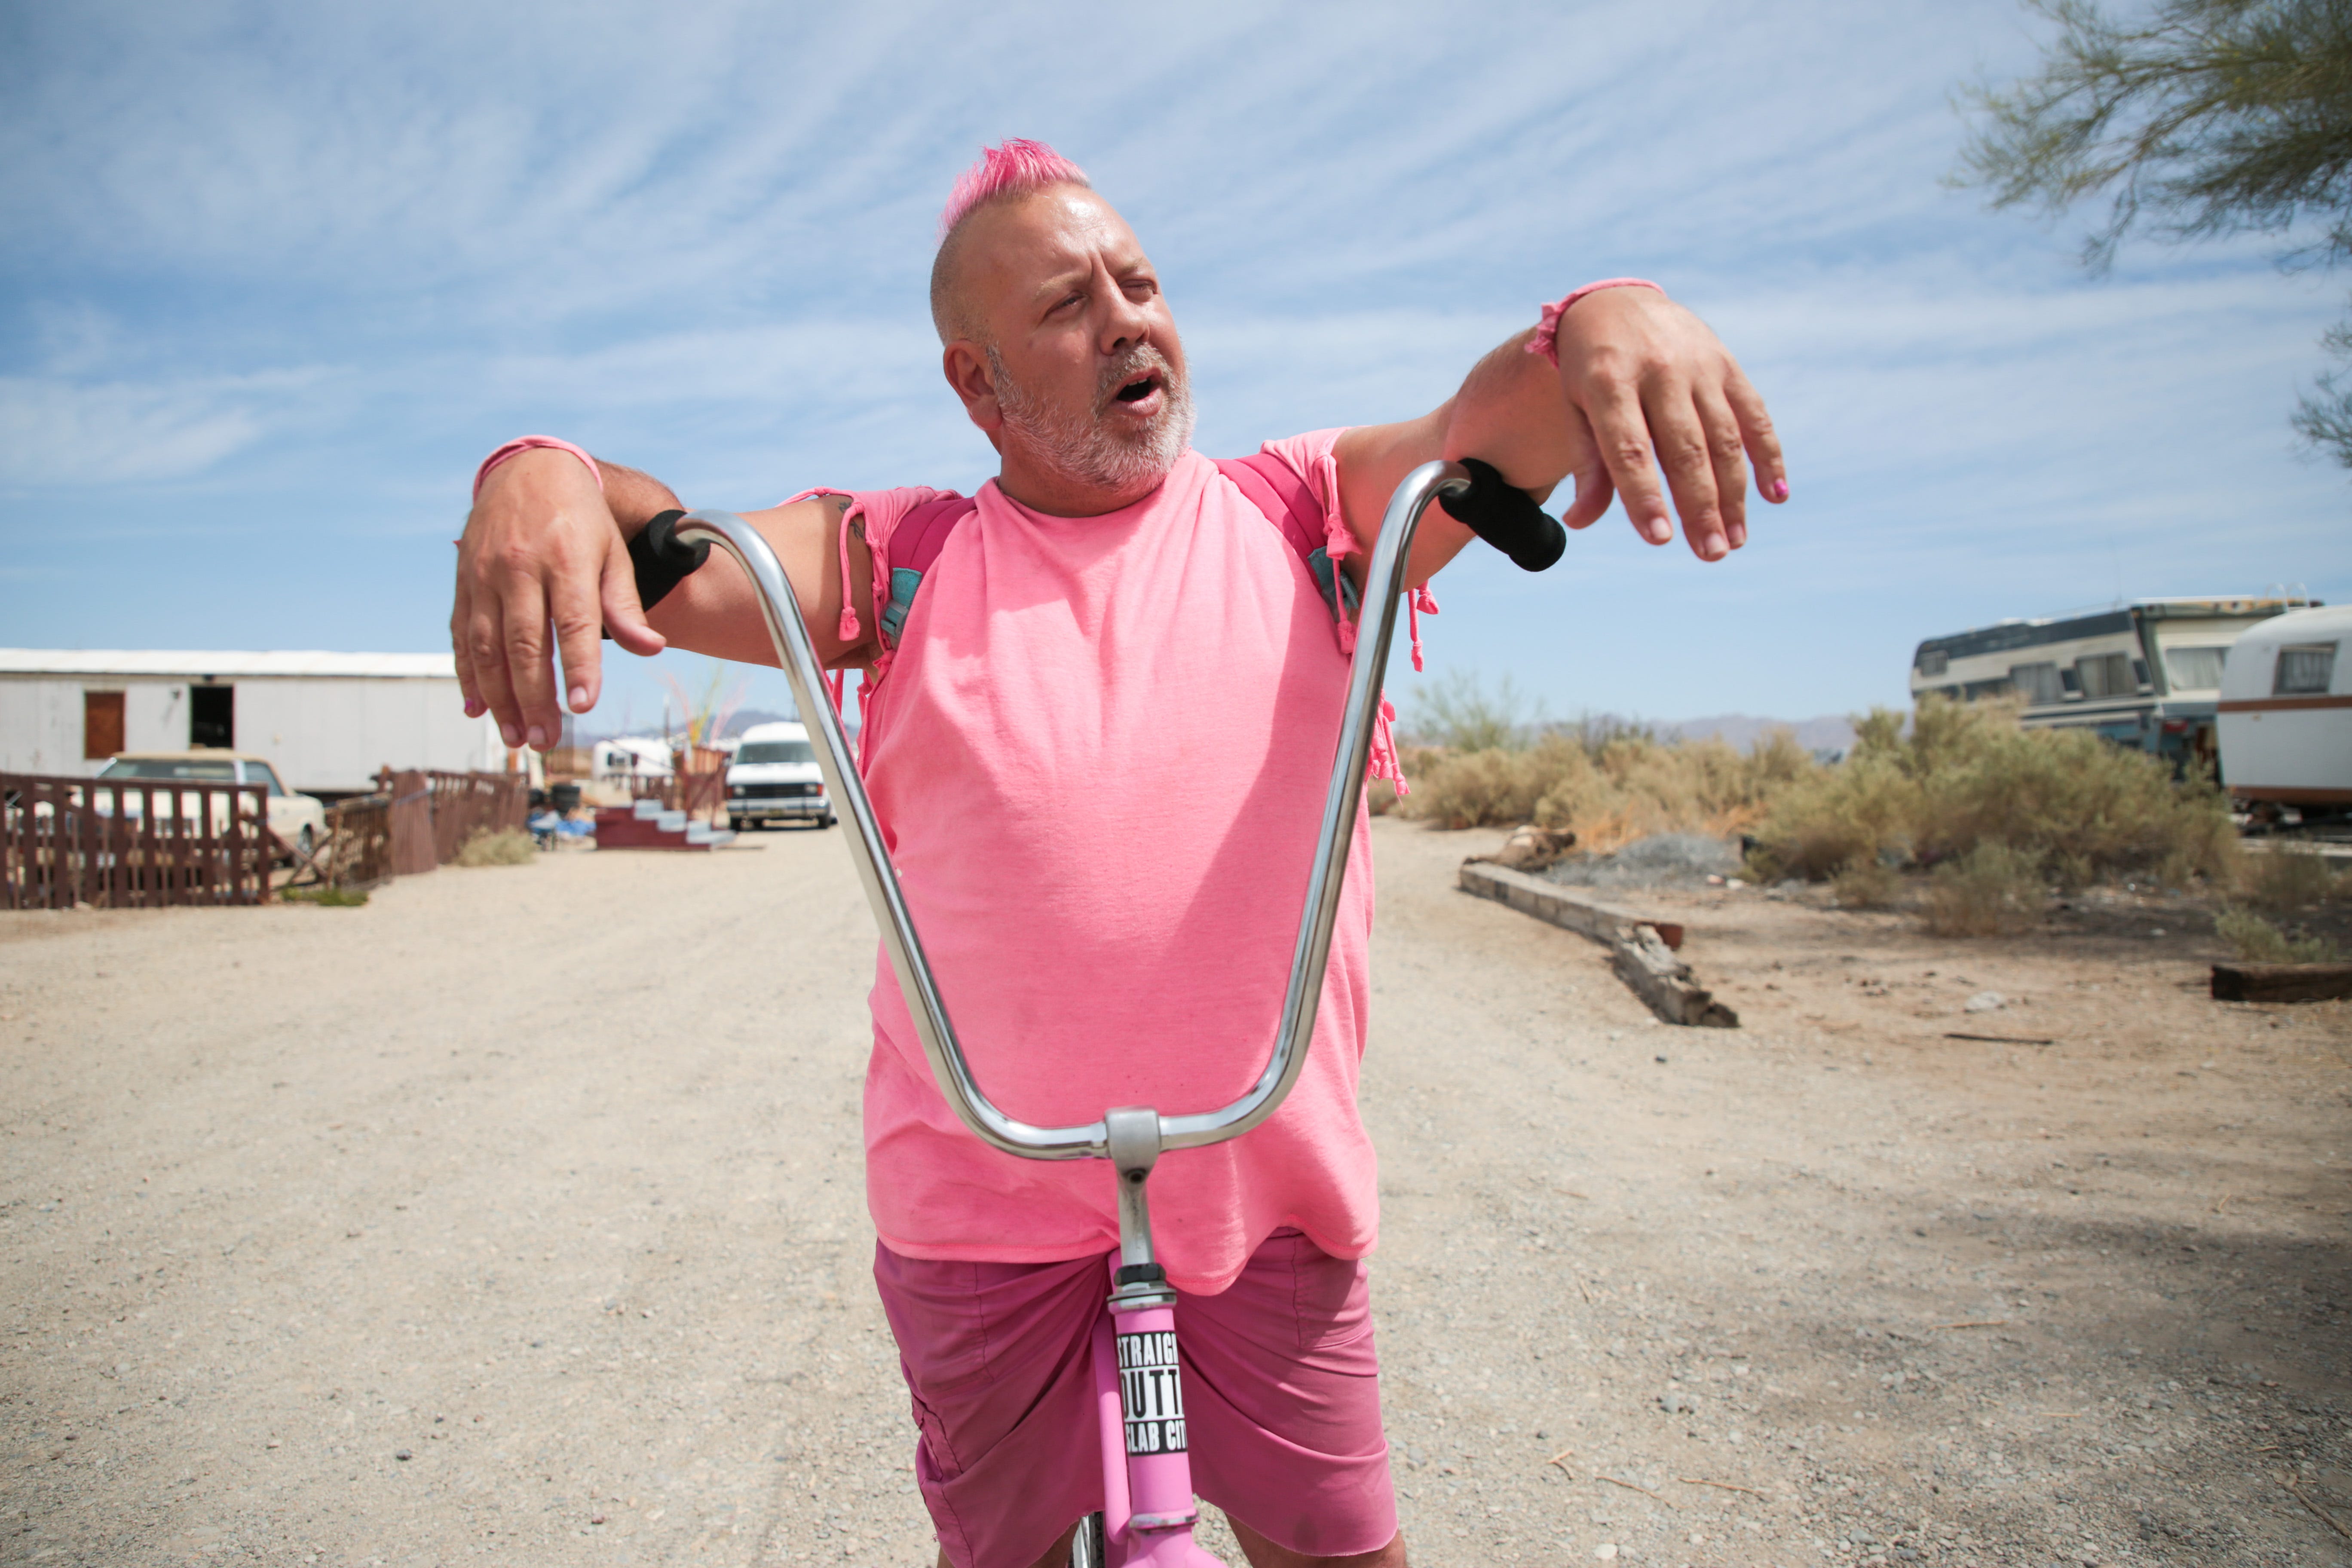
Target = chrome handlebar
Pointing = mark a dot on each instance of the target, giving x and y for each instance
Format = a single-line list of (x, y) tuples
[(797, 655)]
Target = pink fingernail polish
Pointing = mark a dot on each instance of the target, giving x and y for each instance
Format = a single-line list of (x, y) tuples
[(1780, 489), (475, 707)]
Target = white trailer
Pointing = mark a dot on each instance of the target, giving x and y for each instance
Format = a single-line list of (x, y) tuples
[(2286, 713), (327, 720)]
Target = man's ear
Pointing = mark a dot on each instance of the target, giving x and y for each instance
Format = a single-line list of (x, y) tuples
[(968, 372)]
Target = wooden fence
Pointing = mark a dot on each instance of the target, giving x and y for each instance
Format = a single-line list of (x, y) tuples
[(131, 843), (431, 816), (357, 852)]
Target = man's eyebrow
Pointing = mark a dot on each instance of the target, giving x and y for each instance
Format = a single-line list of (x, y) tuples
[(1058, 281)]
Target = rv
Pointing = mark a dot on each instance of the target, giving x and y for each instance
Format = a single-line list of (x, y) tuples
[(774, 778), (2145, 674), (2286, 715)]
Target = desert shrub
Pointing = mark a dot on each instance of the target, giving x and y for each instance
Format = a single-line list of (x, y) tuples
[(1966, 776), (1994, 889), (2257, 940), (1456, 712), (327, 898), (1866, 883), (1492, 786), (1628, 785), (2285, 883), (506, 847)]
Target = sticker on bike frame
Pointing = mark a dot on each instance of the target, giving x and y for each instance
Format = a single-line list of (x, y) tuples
[(1150, 1394)]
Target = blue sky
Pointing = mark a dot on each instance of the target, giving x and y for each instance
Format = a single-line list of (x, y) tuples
[(277, 275)]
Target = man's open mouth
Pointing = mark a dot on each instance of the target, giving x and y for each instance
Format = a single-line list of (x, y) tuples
[(1142, 387)]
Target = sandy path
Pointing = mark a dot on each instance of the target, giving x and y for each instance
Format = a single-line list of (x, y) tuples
[(548, 1180)]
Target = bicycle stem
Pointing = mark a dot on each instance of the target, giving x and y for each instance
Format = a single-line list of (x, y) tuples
[(796, 653)]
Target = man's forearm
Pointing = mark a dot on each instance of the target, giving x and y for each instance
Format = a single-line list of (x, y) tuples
[(1511, 412), (635, 499)]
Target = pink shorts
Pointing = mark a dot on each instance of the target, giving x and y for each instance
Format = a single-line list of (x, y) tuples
[(1281, 1399)]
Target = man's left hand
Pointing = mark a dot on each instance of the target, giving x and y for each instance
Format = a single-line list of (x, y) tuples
[(1651, 388)]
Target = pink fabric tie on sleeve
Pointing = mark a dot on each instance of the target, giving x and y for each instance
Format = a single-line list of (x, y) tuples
[(1547, 339), (521, 444)]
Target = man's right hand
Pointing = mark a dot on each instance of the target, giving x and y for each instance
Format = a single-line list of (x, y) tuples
[(542, 549)]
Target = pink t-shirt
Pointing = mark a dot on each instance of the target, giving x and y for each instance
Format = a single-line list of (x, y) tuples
[(1099, 754)]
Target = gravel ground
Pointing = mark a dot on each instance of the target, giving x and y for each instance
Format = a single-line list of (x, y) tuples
[(517, 1217)]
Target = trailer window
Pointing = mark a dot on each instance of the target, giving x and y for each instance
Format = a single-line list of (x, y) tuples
[(2195, 669), (2038, 681), (2105, 675), (2304, 669), (1933, 662)]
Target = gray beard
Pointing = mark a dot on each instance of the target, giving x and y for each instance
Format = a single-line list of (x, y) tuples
[(1085, 450)]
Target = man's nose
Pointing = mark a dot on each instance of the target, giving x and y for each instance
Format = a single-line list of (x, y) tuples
[(1124, 324)]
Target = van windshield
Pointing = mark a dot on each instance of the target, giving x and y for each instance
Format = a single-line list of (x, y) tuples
[(775, 751)]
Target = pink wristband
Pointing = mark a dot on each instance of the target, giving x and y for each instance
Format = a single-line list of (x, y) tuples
[(522, 444), (1547, 339)]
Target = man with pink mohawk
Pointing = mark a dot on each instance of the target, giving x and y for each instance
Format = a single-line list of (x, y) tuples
[(1111, 611)]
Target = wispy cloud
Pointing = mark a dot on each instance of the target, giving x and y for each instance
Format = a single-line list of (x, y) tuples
[(292, 269)]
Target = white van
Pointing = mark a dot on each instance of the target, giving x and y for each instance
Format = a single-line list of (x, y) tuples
[(774, 778), (2286, 714)]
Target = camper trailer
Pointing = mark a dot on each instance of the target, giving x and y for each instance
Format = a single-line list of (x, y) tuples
[(2145, 674), (2286, 715)]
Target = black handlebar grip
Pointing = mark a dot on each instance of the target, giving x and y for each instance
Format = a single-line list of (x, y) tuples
[(660, 561), (1506, 518)]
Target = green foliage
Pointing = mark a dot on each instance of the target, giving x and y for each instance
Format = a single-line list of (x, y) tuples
[(1865, 882), (2284, 883), (2199, 118), (1456, 712), (1967, 775), (325, 898), (2257, 940), (1995, 887), (506, 846)]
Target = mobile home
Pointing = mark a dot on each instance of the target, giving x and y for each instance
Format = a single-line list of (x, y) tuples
[(327, 720), (2145, 674), (2286, 714)]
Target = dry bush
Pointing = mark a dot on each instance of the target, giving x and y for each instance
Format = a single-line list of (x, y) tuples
[(1967, 775), (1866, 883), (1626, 786), (1994, 889), (2257, 940), (2285, 883), (506, 846)]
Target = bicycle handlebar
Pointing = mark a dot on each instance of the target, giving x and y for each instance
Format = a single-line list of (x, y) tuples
[(797, 655)]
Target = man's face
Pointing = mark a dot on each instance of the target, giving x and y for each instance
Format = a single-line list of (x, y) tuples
[(1085, 373)]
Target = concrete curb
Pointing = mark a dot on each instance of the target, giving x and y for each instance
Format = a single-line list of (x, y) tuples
[(1641, 949)]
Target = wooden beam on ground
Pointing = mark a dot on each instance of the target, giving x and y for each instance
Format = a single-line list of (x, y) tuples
[(1641, 950), (2282, 982)]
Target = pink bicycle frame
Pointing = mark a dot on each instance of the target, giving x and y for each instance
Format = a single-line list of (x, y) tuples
[(1149, 1510)]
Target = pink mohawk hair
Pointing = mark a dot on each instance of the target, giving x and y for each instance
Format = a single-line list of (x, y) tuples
[(1013, 169)]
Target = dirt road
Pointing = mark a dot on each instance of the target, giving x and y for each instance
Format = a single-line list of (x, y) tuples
[(517, 1217)]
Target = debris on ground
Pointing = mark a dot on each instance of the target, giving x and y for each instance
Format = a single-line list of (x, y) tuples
[(1661, 860)]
